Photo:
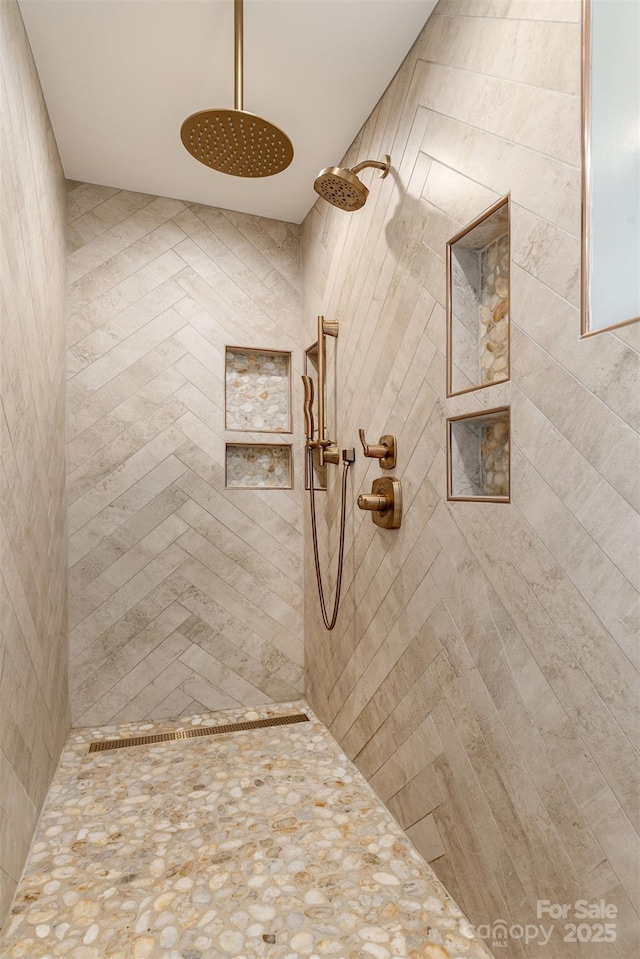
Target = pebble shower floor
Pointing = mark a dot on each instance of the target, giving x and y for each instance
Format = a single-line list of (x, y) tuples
[(260, 843)]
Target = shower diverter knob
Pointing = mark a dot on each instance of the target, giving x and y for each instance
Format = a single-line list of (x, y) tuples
[(384, 502), (373, 501), (384, 451)]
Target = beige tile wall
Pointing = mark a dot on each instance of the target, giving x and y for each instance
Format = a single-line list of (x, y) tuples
[(34, 716), (184, 596), (483, 671)]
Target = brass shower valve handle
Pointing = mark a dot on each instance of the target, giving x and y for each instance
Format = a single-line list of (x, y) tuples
[(384, 502), (385, 451), (373, 501)]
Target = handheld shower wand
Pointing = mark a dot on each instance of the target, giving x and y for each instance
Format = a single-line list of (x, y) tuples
[(328, 452), (309, 427)]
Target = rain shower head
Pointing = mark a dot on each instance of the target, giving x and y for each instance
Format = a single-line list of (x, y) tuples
[(235, 141), (344, 188)]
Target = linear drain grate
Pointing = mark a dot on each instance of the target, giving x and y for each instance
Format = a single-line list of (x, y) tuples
[(195, 732)]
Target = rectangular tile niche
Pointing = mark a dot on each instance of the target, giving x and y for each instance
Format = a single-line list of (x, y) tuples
[(478, 302), (258, 466), (478, 461), (257, 390)]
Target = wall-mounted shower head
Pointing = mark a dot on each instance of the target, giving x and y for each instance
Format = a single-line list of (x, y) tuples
[(343, 188)]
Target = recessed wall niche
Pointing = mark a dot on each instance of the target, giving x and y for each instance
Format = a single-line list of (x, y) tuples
[(478, 260), (478, 457), (258, 466), (257, 390)]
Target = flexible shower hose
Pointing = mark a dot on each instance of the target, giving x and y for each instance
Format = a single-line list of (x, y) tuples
[(328, 623)]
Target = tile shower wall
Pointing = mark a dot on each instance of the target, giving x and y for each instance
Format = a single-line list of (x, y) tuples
[(183, 595), (482, 673), (34, 716)]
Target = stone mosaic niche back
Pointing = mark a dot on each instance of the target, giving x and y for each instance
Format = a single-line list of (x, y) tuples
[(258, 466), (494, 312), (479, 456), (257, 387), (478, 303)]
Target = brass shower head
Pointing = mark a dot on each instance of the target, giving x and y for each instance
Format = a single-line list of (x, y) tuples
[(235, 141), (344, 188)]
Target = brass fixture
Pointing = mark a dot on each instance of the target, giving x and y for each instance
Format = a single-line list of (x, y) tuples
[(385, 451), (384, 502), (343, 188), (309, 427), (195, 732), (235, 141), (328, 452)]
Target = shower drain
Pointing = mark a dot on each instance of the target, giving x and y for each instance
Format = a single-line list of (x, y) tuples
[(196, 732)]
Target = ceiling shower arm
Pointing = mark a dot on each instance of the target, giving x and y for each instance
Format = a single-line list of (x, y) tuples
[(236, 142), (238, 88)]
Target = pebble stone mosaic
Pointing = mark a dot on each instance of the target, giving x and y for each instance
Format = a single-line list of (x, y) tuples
[(479, 455), (494, 312), (259, 466), (257, 391), (495, 457), (260, 843)]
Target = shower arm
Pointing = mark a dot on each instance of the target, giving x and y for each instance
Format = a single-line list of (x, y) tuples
[(375, 164), (238, 85)]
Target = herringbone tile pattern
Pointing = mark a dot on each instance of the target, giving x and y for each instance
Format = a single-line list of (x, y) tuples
[(183, 596), (483, 671)]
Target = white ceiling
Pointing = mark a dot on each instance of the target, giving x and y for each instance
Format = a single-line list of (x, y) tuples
[(120, 76)]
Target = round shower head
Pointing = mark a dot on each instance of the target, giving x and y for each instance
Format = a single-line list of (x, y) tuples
[(343, 188), (237, 142)]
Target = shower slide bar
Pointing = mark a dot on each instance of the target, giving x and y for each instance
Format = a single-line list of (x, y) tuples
[(328, 452)]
